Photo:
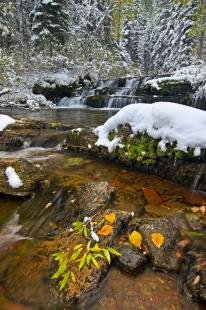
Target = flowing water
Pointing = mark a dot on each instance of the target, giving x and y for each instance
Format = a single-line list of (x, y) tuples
[(124, 96), (23, 263)]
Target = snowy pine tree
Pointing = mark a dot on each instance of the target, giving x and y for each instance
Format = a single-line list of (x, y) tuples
[(49, 23), (161, 35)]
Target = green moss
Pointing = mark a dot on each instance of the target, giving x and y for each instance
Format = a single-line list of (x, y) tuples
[(111, 135)]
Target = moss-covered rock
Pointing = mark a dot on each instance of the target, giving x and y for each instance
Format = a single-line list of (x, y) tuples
[(29, 174), (167, 88), (142, 151)]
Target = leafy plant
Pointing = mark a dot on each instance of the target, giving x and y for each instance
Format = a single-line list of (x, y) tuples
[(84, 254), (62, 271), (81, 228)]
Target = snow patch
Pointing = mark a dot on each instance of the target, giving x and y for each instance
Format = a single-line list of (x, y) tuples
[(5, 121), (13, 178), (167, 121)]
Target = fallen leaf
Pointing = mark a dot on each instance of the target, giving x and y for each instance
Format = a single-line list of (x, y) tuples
[(136, 239), (48, 205), (111, 217), (157, 239), (105, 230), (197, 280)]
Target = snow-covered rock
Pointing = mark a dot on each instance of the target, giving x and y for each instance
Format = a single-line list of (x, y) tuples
[(61, 84), (194, 75), (5, 120), (34, 102), (166, 121)]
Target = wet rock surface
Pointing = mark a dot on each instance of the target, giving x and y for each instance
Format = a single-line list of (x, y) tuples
[(93, 197), (53, 208), (29, 174), (32, 132), (131, 260), (194, 283), (164, 257)]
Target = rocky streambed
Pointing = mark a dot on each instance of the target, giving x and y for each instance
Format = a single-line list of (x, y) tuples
[(65, 184)]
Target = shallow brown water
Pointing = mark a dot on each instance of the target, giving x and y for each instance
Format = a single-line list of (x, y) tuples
[(134, 190), (148, 290)]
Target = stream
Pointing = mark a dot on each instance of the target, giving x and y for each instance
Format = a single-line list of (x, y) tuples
[(23, 284)]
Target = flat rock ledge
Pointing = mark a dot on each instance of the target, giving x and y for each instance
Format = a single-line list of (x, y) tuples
[(142, 152)]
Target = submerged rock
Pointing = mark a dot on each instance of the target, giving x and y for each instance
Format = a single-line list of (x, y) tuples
[(37, 133), (163, 257), (29, 174), (131, 259), (194, 283)]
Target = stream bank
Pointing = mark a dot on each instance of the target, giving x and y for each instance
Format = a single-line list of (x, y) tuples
[(72, 188)]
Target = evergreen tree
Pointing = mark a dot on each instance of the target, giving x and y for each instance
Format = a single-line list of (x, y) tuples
[(49, 23), (162, 35)]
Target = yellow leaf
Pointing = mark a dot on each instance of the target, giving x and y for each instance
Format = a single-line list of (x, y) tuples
[(111, 217), (158, 239), (105, 230), (136, 239)]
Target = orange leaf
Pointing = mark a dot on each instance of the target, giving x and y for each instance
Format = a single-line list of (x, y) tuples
[(111, 217), (105, 230), (158, 239), (136, 239)]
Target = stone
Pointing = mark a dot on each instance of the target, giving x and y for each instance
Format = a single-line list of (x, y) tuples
[(93, 197), (60, 84), (174, 165), (194, 283), (28, 173), (164, 257), (38, 133), (131, 259)]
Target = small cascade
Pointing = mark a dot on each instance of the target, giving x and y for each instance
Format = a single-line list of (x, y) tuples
[(9, 233), (125, 95), (107, 83), (77, 102)]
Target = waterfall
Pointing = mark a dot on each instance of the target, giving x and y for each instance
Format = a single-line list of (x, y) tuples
[(125, 95), (107, 83), (73, 102)]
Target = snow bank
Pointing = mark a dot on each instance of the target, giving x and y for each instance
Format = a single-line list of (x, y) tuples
[(192, 74), (5, 120), (170, 122), (13, 178)]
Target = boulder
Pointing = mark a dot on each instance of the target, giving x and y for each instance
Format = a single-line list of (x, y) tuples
[(28, 172), (54, 208), (131, 259), (194, 283), (163, 257), (61, 84)]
